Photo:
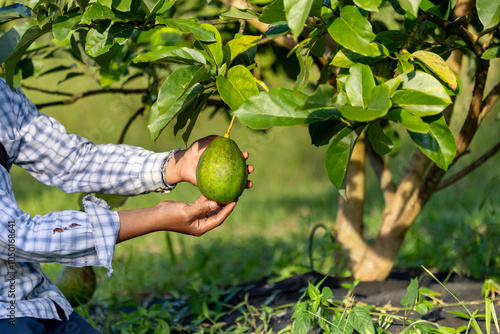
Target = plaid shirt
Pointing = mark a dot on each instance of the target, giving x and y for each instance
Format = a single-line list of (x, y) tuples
[(40, 145)]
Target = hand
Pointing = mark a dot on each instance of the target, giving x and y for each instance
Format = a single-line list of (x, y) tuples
[(182, 166), (193, 218)]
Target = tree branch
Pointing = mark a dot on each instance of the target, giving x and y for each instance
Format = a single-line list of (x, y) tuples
[(134, 116), (384, 175), (456, 27), (460, 175), (77, 96), (46, 91)]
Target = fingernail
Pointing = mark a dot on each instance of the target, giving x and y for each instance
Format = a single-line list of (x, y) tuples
[(212, 205)]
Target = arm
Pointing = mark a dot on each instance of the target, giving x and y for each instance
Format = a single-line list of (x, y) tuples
[(193, 218), (41, 145)]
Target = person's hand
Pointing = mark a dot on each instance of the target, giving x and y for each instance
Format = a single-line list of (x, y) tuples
[(194, 218), (182, 166), (187, 218)]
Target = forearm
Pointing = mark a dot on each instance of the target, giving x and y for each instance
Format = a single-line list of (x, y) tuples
[(186, 218), (134, 223)]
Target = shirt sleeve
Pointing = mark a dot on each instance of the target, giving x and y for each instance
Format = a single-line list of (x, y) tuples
[(41, 145), (73, 238)]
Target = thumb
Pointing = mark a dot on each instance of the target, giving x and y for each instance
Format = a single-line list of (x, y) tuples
[(197, 209)]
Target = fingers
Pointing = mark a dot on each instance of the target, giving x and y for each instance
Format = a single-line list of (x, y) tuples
[(199, 208), (216, 220)]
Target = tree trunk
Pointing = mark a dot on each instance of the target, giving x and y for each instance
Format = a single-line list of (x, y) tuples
[(349, 226), (404, 204), (420, 181)]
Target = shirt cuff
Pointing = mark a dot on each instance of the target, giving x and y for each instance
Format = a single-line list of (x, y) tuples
[(154, 171), (105, 225)]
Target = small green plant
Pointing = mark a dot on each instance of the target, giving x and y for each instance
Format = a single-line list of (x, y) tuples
[(318, 309)]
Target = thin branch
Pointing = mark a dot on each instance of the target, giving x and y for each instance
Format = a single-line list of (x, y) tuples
[(134, 116), (487, 31), (491, 99), (242, 26), (456, 27), (46, 91), (77, 96), (460, 175)]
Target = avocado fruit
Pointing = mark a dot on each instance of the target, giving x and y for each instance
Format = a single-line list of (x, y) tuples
[(222, 173), (77, 284)]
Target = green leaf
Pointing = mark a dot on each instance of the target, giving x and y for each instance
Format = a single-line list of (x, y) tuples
[(418, 103), (302, 323), (313, 291), (305, 64), (237, 13), (158, 119), (438, 66), (172, 54), (122, 5), (274, 12), (378, 106), (277, 29), (338, 156), (393, 84), (346, 58), (12, 12), (342, 325), (279, 107), (410, 6), (422, 94), (238, 86), (9, 40), (152, 7), (369, 5), (28, 37), (410, 298), (488, 12), (214, 49), (176, 92), (438, 144), (296, 12), (327, 293), (359, 85), (189, 26), (321, 132), (63, 25), (404, 65), (361, 321), (353, 31), (190, 113), (239, 45), (321, 97), (422, 308), (97, 11), (102, 38), (492, 52), (381, 144), (409, 121)]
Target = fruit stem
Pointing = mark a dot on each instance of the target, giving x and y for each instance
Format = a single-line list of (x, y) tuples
[(230, 127)]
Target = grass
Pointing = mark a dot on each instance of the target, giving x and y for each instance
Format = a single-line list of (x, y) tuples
[(268, 233)]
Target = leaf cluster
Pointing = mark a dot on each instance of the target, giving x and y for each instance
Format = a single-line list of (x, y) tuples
[(373, 80)]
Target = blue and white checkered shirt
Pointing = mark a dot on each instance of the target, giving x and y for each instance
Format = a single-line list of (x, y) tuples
[(42, 146)]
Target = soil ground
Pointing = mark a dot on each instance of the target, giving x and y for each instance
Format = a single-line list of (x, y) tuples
[(388, 292), (385, 293)]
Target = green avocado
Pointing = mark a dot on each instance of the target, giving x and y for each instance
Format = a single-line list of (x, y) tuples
[(77, 284), (222, 173)]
